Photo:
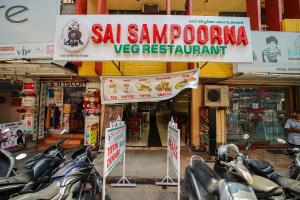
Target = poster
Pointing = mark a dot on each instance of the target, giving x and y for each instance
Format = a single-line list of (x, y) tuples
[(55, 96), (115, 142), (91, 129), (14, 137), (120, 89), (174, 145), (168, 38), (111, 113), (27, 120)]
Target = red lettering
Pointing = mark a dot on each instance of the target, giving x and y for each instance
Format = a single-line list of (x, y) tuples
[(202, 30), (113, 97), (133, 36), (145, 34), (215, 34), (229, 35), (242, 36), (118, 33), (189, 28), (157, 36), (175, 32), (108, 35), (96, 29)]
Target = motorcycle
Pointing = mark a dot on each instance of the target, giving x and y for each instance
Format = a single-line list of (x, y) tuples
[(37, 174), (230, 165), (294, 169), (71, 180), (265, 169), (201, 182)]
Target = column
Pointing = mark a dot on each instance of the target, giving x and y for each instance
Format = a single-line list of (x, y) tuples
[(273, 14), (189, 12), (292, 9), (254, 13)]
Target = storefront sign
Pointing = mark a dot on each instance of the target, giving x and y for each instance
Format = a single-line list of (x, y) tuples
[(91, 129), (19, 17), (153, 38), (115, 141), (27, 120), (66, 84), (146, 88), (274, 52), (28, 86), (28, 101), (14, 137)]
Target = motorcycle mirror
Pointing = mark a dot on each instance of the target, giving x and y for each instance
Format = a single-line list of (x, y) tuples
[(63, 131), (246, 136), (21, 156), (281, 141)]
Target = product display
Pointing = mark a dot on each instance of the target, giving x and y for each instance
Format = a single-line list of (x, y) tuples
[(257, 111)]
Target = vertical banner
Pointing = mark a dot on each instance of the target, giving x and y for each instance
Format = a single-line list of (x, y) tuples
[(173, 156), (42, 110), (13, 137), (27, 120), (114, 151), (91, 129)]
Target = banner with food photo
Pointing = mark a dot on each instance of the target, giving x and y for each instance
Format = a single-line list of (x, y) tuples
[(122, 89)]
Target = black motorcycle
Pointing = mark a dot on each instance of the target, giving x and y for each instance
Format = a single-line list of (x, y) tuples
[(38, 172), (76, 179)]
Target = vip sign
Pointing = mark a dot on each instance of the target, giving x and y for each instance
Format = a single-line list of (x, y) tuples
[(158, 38)]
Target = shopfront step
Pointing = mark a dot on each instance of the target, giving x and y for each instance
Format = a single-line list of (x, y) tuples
[(52, 141), (43, 146), (71, 136)]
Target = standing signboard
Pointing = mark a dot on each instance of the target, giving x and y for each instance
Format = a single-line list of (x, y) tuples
[(167, 38), (114, 151), (91, 129), (173, 155)]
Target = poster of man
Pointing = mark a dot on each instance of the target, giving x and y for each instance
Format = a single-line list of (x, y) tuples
[(12, 135)]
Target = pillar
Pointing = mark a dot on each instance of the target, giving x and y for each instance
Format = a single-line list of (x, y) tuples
[(101, 9), (195, 119), (273, 14), (168, 3), (254, 13), (189, 12), (292, 9)]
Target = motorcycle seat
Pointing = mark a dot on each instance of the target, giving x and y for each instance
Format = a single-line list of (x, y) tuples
[(47, 193), (260, 166), (18, 179), (287, 183)]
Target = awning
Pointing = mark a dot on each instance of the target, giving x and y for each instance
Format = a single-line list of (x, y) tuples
[(36, 69), (264, 79)]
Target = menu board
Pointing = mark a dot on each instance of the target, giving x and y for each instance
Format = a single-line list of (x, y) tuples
[(122, 89)]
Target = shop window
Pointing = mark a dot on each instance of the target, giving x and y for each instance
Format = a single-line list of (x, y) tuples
[(257, 111)]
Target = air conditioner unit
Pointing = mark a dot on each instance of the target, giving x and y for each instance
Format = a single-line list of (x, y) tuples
[(150, 8), (216, 96)]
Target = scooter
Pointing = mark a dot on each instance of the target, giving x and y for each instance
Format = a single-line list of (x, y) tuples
[(71, 181), (201, 182), (265, 169), (230, 165), (294, 169), (37, 174)]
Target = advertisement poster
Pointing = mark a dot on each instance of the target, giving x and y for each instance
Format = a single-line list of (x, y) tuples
[(115, 142), (111, 113), (174, 145), (169, 38), (127, 89), (27, 120), (55, 96), (14, 137), (28, 101), (275, 52), (91, 129)]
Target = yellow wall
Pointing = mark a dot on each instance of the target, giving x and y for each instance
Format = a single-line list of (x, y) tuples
[(291, 25)]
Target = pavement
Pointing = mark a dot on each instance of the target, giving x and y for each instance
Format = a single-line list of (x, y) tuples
[(149, 165)]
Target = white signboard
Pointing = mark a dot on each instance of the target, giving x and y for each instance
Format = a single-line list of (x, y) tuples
[(115, 141), (91, 129), (153, 38), (174, 146), (274, 52), (146, 88), (14, 137), (27, 28)]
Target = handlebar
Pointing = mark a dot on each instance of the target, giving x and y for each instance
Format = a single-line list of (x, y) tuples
[(62, 141)]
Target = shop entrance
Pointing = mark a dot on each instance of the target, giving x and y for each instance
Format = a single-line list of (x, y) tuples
[(147, 121)]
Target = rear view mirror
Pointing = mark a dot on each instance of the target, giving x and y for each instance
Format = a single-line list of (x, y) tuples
[(21, 156), (281, 141), (63, 131), (246, 136)]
